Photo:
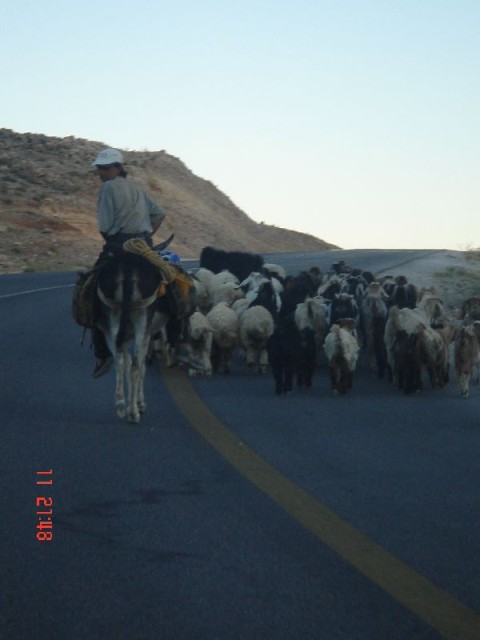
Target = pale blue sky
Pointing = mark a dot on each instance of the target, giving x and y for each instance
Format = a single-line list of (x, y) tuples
[(356, 121)]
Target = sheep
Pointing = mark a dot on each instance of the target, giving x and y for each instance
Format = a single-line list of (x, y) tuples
[(227, 292), (240, 306), (224, 323), (201, 281), (218, 279), (203, 275), (212, 288), (200, 338), (467, 354), (256, 327), (341, 348)]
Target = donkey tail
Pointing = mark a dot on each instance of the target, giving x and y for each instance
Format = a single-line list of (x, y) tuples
[(127, 294)]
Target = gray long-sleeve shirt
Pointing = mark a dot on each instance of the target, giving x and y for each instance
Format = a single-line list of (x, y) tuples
[(125, 208)]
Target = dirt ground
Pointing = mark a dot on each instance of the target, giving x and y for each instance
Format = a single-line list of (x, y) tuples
[(455, 275)]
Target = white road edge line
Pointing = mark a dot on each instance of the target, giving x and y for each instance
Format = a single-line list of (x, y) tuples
[(23, 293)]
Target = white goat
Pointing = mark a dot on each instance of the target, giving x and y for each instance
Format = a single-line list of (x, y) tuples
[(275, 270), (253, 283), (201, 282)]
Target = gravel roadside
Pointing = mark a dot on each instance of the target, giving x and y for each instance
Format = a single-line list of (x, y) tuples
[(455, 275)]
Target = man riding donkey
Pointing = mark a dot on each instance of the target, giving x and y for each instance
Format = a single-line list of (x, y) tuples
[(124, 212)]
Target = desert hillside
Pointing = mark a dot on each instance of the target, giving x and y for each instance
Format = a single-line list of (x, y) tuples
[(48, 192)]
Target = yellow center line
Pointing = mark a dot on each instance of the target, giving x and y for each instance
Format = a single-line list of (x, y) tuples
[(435, 606)]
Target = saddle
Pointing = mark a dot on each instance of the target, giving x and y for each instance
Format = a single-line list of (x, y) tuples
[(175, 284)]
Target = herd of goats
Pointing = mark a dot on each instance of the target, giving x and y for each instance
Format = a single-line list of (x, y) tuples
[(290, 323)]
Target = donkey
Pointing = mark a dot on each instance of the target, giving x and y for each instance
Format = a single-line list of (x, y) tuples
[(130, 312)]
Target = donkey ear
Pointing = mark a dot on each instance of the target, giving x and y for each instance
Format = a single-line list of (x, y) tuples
[(163, 245)]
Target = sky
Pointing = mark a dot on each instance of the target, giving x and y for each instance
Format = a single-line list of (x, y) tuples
[(356, 121)]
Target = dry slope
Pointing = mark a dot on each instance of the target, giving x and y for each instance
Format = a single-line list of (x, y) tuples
[(48, 195)]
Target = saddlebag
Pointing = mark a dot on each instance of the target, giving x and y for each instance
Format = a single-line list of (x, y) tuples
[(85, 304)]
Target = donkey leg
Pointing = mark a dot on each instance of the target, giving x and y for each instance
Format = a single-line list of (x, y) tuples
[(141, 404), (120, 389), (133, 414), (142, 359)]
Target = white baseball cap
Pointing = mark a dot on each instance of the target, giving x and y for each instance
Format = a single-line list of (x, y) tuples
[(108, 156)]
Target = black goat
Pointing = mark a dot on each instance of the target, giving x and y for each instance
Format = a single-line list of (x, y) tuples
[(240, 263), (283, 348)]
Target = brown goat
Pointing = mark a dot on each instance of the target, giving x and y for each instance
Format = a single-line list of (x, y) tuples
[(467, 354)]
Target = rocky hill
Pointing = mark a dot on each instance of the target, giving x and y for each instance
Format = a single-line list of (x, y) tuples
[(48, 192)]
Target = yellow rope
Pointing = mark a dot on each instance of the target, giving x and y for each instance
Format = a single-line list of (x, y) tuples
[(140, 247)]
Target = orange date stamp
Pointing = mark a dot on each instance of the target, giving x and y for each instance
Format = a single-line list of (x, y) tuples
[(44, 515)]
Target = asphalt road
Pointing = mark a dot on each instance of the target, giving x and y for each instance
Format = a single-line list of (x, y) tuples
[(228, 513)]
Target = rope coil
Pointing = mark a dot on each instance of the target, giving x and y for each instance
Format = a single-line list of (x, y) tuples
[(141, 248)]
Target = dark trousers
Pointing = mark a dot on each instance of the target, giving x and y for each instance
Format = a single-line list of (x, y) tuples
[(113, 244)]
